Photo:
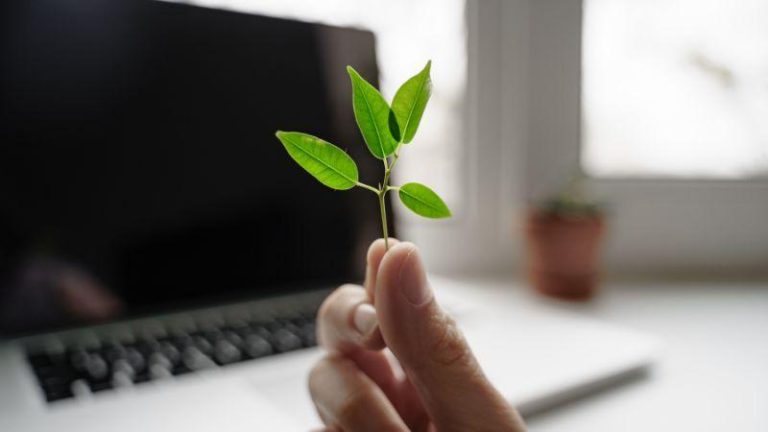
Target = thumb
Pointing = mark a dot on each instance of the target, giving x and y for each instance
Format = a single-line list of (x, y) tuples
[(432, 349)]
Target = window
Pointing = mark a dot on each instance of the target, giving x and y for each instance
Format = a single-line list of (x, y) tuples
[(408, 33), (675, 88)]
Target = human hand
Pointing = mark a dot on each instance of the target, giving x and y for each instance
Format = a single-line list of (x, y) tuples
[(396, 361)]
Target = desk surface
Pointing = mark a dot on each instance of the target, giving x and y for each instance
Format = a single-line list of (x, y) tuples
[(713, 370)]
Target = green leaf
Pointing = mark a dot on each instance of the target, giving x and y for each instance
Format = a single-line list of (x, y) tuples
[(409, 103), (327, 163), (423, 201), (372, 114)]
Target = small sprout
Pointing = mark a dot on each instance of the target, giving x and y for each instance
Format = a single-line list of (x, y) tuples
[(384, 130)]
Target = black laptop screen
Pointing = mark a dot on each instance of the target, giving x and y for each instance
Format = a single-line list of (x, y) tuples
[(138, 165)]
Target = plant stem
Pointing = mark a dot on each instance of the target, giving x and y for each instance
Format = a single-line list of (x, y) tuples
[(387, 173), (394, 159), (383, 206), (382, 193), (370, 188)]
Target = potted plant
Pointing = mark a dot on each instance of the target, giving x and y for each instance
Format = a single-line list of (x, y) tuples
[(564, 236)]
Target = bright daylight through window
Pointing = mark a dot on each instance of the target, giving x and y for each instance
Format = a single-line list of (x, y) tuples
[(675, 88), (407, 34)]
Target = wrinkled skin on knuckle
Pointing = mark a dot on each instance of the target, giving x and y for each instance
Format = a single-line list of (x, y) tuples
[(447, 347)]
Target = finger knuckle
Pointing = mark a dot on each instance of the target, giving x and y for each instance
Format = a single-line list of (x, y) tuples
[(354, 407), (449, 348), (315, 378), (335, 297)]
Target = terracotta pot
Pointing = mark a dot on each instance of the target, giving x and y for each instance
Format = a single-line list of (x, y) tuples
[(563, 254)]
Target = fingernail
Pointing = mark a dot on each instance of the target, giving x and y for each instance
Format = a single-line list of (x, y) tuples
[(413, 280), (365, 319)]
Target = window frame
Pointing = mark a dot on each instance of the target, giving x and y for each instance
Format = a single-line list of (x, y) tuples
[(656, 225), (483, 236)]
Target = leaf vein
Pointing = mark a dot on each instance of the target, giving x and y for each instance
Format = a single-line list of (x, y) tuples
[(320, 161), (373, 120)]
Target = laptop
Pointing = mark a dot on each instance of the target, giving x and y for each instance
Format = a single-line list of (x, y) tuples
[(161, 259)]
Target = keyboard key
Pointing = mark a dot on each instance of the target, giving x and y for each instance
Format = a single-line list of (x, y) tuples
[(202, 344), (256, 346), (96, 367), (80, 389), (181, 341), (285, 341), (114, 352), (274, 326), (159, 359), (291, 327), (262, 331), (78, 359), (170, 352), (121, 379), (124, 367), (136, 359), (213, 335), (164, 348), (234, 338), (225, 352), (194, 359), (159, 371), (308, 335)]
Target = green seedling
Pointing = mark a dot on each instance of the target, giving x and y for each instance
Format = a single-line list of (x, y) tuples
[(385, 128)]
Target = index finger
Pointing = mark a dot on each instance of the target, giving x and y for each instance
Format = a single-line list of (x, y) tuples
[(376, 253)]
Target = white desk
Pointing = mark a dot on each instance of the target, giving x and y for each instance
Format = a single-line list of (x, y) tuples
[(713, 371)]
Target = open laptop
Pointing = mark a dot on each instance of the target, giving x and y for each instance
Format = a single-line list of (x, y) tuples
[(161, 260)]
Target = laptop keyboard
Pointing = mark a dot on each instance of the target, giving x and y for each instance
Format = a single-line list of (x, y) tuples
[(77, 371)]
